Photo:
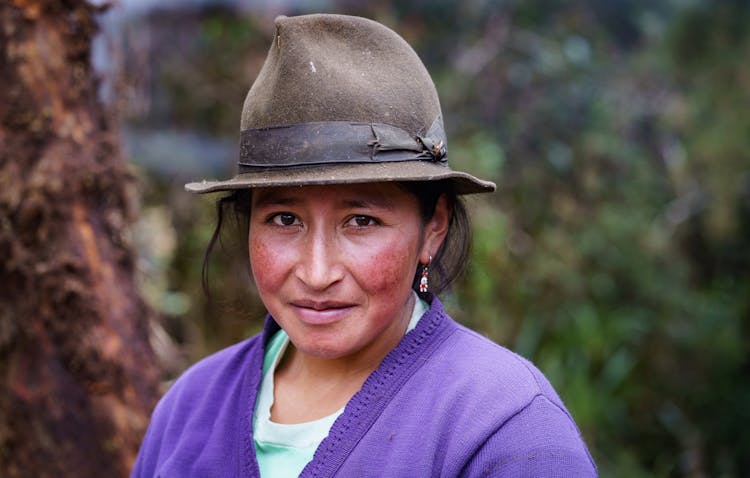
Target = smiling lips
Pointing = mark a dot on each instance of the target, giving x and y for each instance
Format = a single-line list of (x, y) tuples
[(320, 313)]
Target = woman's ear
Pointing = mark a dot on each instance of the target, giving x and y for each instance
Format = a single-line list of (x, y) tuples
[(435, 230)]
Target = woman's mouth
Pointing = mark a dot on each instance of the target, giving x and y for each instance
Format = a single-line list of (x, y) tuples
[(321, 312)]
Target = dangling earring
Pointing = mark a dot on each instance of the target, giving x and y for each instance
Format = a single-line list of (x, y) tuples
[(423, 286)]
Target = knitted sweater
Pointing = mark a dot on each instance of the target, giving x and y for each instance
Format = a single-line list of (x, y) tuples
[(446, 402)]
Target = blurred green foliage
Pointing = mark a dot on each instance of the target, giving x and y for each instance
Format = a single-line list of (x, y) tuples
[(615, 252)]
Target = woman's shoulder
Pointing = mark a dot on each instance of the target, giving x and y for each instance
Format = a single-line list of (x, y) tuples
[(219, 369), (479, 367), (211, 381), (534, 434), (209, 396), (477, 362)]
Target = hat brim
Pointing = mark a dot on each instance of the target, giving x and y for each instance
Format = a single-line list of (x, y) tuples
[(464, 183)]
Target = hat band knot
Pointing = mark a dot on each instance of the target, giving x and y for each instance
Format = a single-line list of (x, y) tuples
[(329, 142)]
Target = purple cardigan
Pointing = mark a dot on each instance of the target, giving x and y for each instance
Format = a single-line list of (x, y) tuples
[(445, 402)]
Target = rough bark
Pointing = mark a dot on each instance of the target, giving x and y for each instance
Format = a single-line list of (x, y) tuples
[(77, 375)]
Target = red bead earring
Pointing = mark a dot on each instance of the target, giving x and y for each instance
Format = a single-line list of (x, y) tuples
[(423, 285)]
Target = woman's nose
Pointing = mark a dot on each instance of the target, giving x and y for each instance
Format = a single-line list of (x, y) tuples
[(319, 264)]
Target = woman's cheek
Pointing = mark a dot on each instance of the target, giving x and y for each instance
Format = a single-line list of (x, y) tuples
[(385, 269), (264, 260)]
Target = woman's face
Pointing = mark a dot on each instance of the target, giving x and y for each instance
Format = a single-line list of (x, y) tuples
[(334, 264)]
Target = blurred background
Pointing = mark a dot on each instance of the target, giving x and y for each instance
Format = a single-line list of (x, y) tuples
[(616, 251)]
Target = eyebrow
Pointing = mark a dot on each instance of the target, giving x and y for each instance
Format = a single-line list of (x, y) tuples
[(281, 199), (376, 202), (274, 199)]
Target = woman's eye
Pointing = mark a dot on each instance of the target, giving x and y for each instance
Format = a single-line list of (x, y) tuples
[(362, 221), (284, 219)]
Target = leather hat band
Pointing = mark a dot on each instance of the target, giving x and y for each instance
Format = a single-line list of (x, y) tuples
[(338, 142)]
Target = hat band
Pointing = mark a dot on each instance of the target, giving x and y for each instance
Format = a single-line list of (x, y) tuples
[(329, 142)]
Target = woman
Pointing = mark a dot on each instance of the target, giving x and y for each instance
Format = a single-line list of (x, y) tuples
[(354, 220)]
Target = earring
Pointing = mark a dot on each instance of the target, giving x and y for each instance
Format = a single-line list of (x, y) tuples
[(423, 286)]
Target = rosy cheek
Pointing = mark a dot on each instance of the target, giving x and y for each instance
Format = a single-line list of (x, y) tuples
[(386, 268), (264, 261)]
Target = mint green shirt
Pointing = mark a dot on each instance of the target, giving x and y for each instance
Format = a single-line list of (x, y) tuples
[(283, 450)]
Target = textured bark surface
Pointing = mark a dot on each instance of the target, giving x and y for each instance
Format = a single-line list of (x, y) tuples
[(77, 375)]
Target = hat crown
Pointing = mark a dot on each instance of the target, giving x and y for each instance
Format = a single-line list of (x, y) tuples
[(340, 68)]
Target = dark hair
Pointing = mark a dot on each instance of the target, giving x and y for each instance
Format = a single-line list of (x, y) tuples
[(446, 266), (236, 205)]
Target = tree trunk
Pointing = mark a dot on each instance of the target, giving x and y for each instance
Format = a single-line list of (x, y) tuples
[(77, 374)]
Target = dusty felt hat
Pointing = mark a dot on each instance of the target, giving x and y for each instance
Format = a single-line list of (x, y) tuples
[(341, 99)]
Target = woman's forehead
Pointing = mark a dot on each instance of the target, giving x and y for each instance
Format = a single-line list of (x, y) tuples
[(383, 195)]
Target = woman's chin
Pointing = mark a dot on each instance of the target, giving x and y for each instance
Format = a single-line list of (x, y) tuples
[(318, 348)]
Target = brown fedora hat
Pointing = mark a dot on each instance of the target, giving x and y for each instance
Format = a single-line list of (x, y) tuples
[(341, 99)]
